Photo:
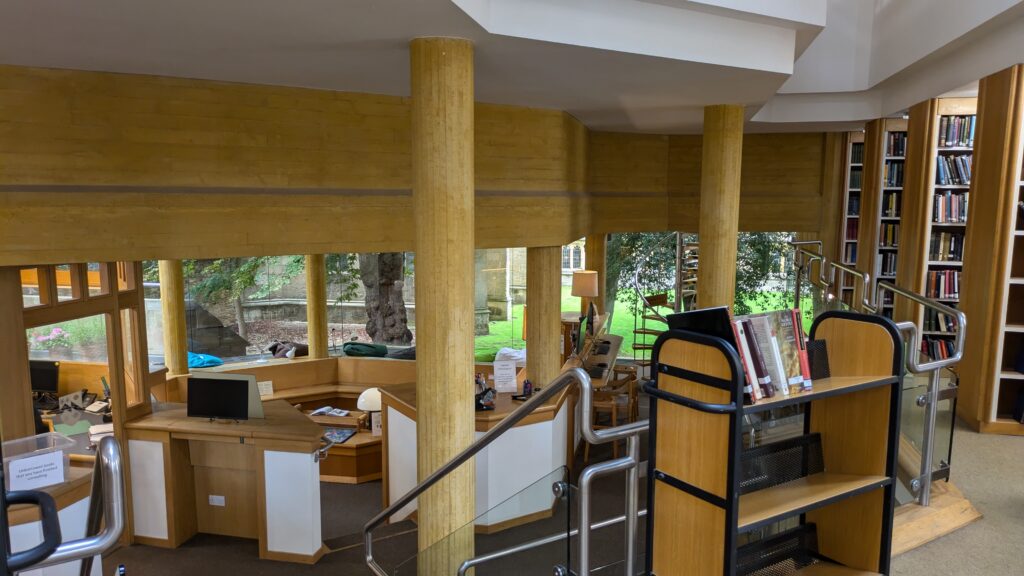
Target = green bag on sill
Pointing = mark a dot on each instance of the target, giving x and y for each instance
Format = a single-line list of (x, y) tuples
[(364, 350)]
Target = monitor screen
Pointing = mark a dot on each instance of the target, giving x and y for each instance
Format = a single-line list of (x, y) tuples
[(591, 315), (581, 335), (218, 398), (709, 321), (44, 375)]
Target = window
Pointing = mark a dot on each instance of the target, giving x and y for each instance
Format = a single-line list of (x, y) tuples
[(236, 307), (154, 314), (133, 388), (371, 298), (79, 340), (572, 257)]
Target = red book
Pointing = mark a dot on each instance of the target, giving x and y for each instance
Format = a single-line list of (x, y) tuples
[(801, 342)]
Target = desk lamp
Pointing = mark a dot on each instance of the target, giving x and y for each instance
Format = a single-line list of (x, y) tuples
[(369, 402)]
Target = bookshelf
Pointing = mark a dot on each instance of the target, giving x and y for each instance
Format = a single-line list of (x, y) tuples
[(817, 503), (880, 239), (953, 151), (851, 209), (993, 299)]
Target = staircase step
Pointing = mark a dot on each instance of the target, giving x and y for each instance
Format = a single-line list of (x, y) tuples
[(648, 331), (653, 317), (643, 346), (641, 362)]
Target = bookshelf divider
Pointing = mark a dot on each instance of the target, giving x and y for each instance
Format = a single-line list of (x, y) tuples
[(851, 209)]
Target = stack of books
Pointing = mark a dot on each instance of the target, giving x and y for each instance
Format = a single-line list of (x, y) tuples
[(947, 247), (944, 284), (888, 264), (935, 322), (937, 349), (894, 175), (949, 207), (953, 170), (891, 205), (773, 349), (956, 132), (889, 235), (896, 144), (98, 432)]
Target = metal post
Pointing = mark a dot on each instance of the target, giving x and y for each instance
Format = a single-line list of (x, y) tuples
[(632, 504), (587, 477), (931, 411)]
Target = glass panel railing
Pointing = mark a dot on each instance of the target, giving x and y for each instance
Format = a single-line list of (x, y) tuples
[(913, 419), (527, 533)]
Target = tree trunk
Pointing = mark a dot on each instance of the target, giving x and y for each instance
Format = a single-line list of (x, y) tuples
[(383, 276), (243, 331)]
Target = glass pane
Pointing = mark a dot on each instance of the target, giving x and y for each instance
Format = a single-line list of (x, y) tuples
[(154, 314), (501, 289), (97, 279), (66, 283), (32, 293), (125, 276), (531, 514), (79, 340), (237, 307), (132, 385)]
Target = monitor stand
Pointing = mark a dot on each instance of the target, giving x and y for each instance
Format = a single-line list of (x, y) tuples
[(45, 401)]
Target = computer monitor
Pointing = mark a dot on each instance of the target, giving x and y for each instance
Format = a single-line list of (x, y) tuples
[(591, 316), (581, 335), (223, 396), (44, 374), (709, 321)]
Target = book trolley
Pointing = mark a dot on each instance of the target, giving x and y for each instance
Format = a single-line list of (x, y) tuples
[(835, 482)]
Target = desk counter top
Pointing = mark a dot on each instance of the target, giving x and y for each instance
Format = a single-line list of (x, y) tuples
[(281, 421), (77, 487), (402, 397)]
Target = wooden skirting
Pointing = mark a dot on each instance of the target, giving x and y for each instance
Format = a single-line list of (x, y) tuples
[(297, 558), (915, 525)]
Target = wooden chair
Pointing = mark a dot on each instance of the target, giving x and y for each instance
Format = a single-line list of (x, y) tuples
[(618, 399)]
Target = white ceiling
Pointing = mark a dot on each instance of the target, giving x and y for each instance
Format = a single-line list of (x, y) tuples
[(632, 65)]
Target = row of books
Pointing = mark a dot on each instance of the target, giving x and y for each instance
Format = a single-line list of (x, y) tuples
[(891, 204), (956, 131), (888, 264), (773, 350), (889, 235), (857, 153), (950, 207), (947, 247), (850, 253), (896, 144), (853, 205), (894, 174), (953, 170), (856, 178), (935, 322), (852, 227), (936, 348), (943, 284)]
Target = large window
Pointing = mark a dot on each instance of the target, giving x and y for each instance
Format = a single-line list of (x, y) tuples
[(79, 340), (371, 298), (236, 307)]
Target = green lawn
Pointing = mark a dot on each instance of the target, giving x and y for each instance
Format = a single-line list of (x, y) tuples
[(508, 333)]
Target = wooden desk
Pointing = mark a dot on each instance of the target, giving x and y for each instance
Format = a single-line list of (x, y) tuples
[(356, 460), (252, 479)]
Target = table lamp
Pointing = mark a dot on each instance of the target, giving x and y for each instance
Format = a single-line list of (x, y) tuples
[(584, 285), (369, 402)]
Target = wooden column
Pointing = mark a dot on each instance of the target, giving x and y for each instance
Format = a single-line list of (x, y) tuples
[(597, 260), (172, 301), (870, 203), (16, 387), (316, 305), (544, 302), (718, 227), (443, 190)]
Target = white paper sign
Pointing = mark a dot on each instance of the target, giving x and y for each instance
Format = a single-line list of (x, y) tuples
[(505, 376), (376, 424), (266, 388), (36, 472)]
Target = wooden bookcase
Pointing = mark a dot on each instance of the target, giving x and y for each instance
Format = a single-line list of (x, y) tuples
[(835, 483), (851, 209), (880, 239), (993, 293)]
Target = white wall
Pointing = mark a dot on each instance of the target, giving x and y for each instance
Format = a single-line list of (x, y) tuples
[(839, 58)]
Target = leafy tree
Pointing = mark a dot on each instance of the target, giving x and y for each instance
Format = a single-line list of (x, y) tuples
[(383, 277)]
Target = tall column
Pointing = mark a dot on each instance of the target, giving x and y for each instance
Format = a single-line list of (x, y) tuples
[(443, 198), (16, 386), (719, 205), (316, 305), (596, 246), (172, 301), (544, 316)]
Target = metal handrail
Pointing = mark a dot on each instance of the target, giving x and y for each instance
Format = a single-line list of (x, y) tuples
[(109, 455), (573, 375), (630, 463), (636, 282)]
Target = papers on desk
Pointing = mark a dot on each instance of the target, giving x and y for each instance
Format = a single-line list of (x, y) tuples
[(100, 431), (339, 435), (328, 411)]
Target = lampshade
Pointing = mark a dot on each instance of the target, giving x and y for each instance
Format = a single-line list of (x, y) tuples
[(584, 283), (369, 400)]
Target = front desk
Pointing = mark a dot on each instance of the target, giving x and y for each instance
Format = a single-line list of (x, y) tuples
[(72, 498), (529, 452), (254, 479)]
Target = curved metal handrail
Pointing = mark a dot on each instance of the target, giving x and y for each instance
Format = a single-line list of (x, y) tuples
[(636, 280), (960, 334), (109, 455), (573, 375)]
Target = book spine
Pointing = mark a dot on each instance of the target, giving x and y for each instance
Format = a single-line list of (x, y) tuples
[(765, 336), (753, 387), (777, 358), (767, 390), (801, 339)]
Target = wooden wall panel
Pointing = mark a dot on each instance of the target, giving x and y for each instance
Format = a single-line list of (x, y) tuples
[(628, 182), (16, 408), (870, 201), (915, 212)]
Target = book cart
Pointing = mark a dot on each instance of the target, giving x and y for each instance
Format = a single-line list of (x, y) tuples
[(832, 487)]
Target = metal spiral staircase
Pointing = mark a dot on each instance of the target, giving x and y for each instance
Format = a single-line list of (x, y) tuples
[(650, 322)]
